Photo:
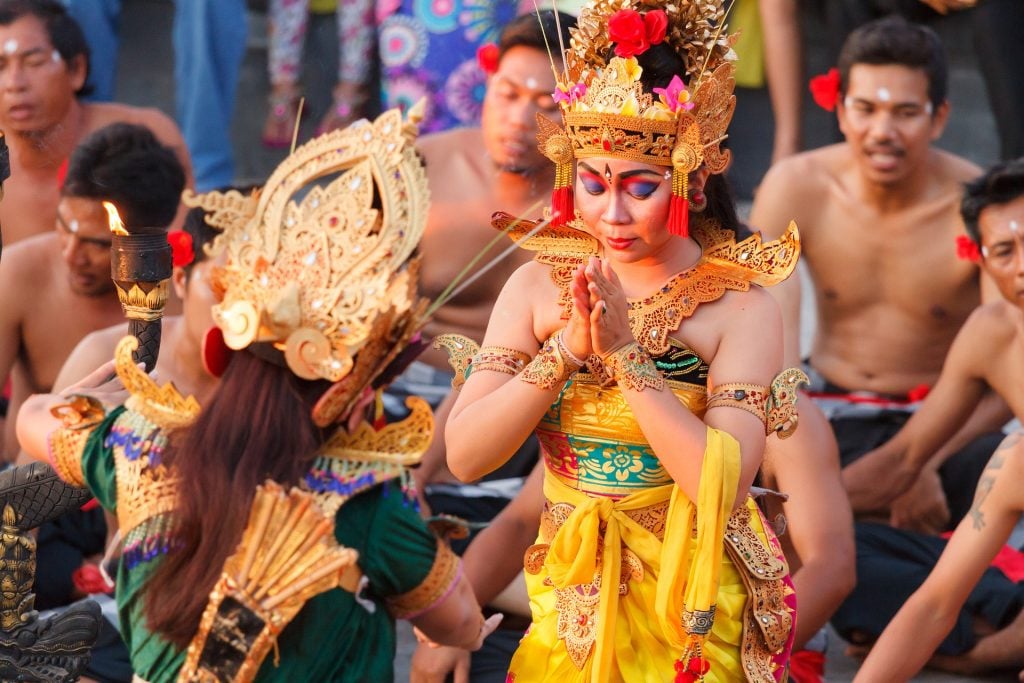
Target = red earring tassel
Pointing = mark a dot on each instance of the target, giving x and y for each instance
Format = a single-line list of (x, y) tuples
[(679, 216), (562, 206)]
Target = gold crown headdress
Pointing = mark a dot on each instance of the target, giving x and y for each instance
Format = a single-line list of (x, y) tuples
[(319, 264), (606, 112)]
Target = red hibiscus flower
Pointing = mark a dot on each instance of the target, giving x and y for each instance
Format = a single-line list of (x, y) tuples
[(967, 249), (634, 33), (487, 58), (825, 89), (182, 253)]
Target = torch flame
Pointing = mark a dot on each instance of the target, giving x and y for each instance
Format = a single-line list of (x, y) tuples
[(114, 220)]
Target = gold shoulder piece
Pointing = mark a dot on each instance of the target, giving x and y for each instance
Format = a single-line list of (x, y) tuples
[(764, 264), (781, 403), (163, 406), (460, 350), (287, 556), (565, 240), (399, 443)]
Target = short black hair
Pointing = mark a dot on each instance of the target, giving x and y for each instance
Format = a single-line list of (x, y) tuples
[(125, 164), (894, 40), (529, 30), (64, 32), (1001, 184)]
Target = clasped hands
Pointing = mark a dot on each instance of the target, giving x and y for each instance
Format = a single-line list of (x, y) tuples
[(599, 323)]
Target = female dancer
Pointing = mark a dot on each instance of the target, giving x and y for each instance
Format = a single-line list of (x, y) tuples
[(221, 562), (644, 360)]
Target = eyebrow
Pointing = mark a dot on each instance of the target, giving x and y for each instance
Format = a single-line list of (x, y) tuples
[(894, 105), (91, 240), (522, 86), (625, 174)]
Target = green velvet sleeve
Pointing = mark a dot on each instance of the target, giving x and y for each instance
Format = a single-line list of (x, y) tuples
[(98, 462)]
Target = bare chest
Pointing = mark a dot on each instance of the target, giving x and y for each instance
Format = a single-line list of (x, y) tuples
[(29, 207)]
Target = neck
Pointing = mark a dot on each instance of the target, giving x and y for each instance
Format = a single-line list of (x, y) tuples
[(642, 276), (189, 374), (520, 188), (50, 147), (892, 197)]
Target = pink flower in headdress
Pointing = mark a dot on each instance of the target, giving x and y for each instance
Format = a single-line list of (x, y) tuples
[(572, 94), (675, 96), (487, 58), (967, 249), (182, 252), (825, 89)]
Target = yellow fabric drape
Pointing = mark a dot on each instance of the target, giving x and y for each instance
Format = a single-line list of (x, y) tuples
[(686, 569)]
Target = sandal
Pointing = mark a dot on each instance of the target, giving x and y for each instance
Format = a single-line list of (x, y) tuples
[(348, 105), (279, 126)]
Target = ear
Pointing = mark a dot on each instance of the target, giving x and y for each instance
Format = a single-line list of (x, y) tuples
[(939, 120), (179, 281), (77, 71), (699, 178), (841, 115)]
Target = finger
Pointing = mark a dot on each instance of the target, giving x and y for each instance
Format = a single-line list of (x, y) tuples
[(597, 314), (95, 378), (490, 625), (461, 673)]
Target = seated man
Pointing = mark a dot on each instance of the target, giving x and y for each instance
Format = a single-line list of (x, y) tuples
[(962, 596), (44, 63)]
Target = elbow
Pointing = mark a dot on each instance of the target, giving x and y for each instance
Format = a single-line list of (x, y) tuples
[(462, 468)]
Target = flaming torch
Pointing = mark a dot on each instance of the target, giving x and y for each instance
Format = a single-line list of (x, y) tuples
[(140, 265)]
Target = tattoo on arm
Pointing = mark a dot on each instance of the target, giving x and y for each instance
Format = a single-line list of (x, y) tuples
[(988, 480)]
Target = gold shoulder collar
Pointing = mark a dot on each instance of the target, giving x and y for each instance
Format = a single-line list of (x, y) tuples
[(163, 405), (764, 264)]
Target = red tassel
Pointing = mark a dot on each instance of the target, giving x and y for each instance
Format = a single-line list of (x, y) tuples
[(563, 209), (679, 216)]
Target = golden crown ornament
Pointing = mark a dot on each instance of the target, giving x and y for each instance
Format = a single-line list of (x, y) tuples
[(342, 215), (605, 111)]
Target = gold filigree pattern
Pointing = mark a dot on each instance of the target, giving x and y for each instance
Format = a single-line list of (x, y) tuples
[(501, 359), (749, 397), (161, 405), (550, 367), (764, 264), (400, 443), (146, 488), (349, 239), (632, 368), (781, 403), (65, 453), (438, 582), (461, 350)]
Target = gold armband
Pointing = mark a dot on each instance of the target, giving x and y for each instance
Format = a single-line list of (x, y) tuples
[(551, 366), (499, 359), (749, 397), (79, 415), (632, 368), (775, 406)]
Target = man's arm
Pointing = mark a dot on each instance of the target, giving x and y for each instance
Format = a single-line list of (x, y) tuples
[(771, 214), (819, 522), (921, 624)]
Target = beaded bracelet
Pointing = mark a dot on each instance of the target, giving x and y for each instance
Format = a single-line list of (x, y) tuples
[(499, 359)]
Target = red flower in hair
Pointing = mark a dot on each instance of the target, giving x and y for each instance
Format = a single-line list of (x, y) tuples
[(487, 58), (634, 33), (182, 253), (825, 89), (967, 249)]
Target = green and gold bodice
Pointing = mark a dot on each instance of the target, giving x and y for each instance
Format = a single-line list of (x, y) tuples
[(591, 441)]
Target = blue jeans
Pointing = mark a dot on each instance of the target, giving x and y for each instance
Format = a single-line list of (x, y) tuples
[(209, 45)]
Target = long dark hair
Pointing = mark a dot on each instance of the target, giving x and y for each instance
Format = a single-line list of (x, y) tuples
[(257, 425)]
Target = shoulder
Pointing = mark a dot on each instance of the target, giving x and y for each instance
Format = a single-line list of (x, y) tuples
[(28, 261), (991, 326), (805, 170), (954, 169), (163, 126), (440, 148), (788, 191), (755, 303)]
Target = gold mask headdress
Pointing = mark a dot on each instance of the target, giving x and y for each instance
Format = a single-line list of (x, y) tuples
[(319, 265), (606, 112)]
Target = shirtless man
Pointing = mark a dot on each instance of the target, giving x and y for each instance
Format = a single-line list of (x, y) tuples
[(180, 359), (44, 62), (987, 356), (878, 219), (474, 172), (56, 286)]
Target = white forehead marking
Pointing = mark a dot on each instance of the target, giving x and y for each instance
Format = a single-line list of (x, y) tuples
[(55, 56), (884, 95), (10, 46), (1014, 227), (531, 83), (73, 226)]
